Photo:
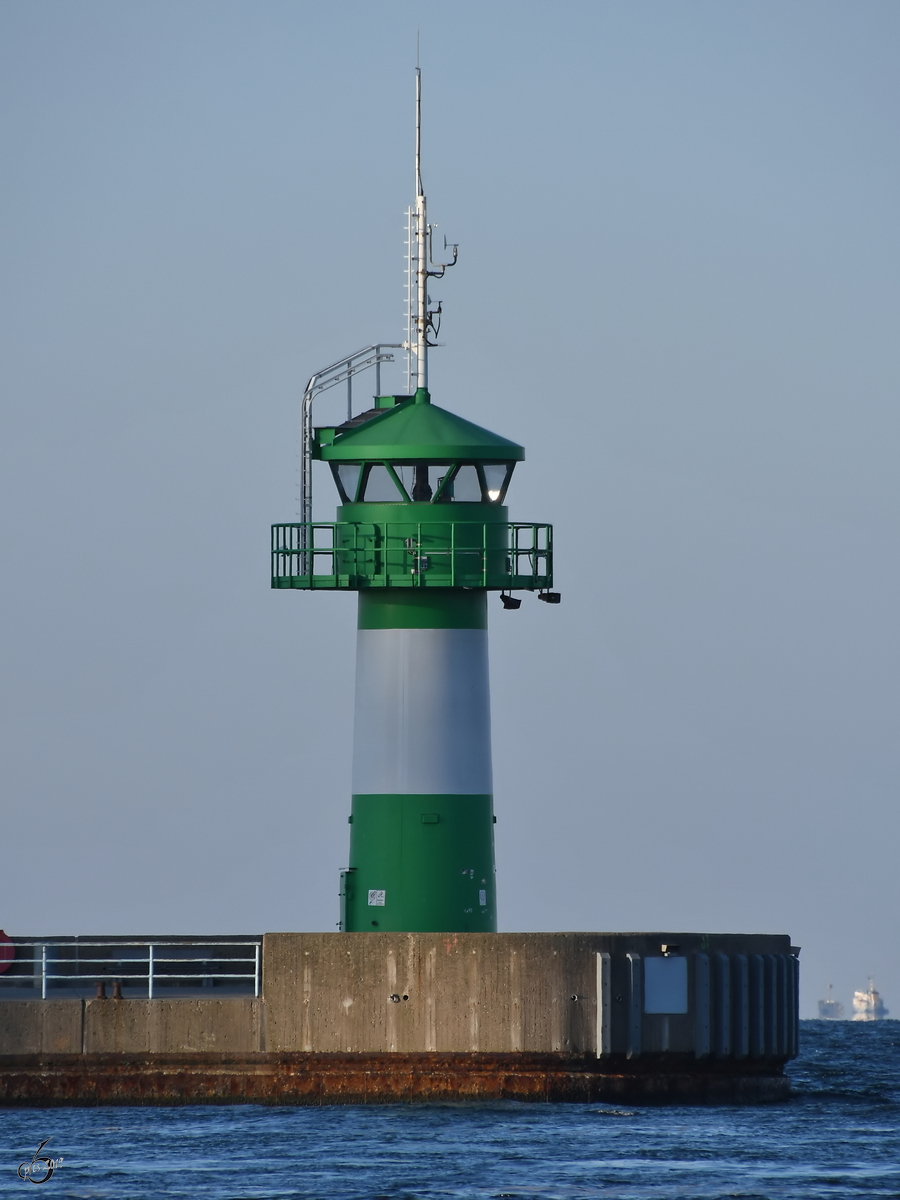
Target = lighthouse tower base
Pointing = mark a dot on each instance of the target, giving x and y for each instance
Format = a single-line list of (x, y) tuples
[(389, 1017), (422, 819)]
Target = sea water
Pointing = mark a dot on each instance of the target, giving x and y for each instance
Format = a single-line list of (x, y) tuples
[(839, 1136)]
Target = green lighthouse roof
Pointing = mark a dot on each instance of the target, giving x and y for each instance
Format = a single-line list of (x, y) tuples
[(417, 431)]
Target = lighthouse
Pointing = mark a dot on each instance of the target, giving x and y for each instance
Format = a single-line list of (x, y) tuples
[(423, 534), (432, 1003)]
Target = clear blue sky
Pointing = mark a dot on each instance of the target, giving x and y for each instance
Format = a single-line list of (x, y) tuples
[(678, 287)]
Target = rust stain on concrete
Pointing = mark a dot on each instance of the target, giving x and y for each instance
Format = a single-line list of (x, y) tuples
[(298, 1078)]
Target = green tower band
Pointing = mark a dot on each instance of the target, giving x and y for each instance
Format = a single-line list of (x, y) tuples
[(423, 535)]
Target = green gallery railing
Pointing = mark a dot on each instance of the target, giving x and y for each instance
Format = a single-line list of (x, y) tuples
[(403, 554)]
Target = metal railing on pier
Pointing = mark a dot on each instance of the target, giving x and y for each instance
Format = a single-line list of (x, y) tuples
[(141, 968)]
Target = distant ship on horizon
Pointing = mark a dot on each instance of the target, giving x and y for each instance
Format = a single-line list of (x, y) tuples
[(868, 1006), (831, 1010)]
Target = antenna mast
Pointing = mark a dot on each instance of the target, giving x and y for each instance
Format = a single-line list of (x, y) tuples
[(420, 320)]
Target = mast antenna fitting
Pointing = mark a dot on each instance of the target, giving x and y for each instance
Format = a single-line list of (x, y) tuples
[(421, 320)]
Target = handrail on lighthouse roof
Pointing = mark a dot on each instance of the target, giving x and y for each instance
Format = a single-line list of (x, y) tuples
[(342, 370)]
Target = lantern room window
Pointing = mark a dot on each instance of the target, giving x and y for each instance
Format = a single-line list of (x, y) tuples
[(463, 485), (422, 482), (475, 483), (496, 481), (381, 486), (417, 479), (346, 476)]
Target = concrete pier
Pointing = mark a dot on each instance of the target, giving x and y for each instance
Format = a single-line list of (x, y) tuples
[(389, 1017)]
